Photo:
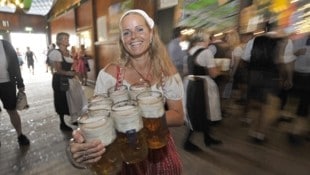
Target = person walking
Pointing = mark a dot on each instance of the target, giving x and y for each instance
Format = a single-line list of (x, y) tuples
[(81, 65), (62, 64), (268, 70), (200, 64), (29, 56), (175, 51), (10, 78), (143, 58), (301, 88), (19, 56), (48, 63)]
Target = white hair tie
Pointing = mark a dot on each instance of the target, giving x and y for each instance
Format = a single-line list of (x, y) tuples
[(147, 18)]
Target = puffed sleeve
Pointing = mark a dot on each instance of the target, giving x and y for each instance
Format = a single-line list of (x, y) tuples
[(55, 55), (238, 52), (104, 82), (173, 87), (247, 51)]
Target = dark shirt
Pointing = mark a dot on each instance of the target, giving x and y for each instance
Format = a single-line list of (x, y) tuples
[(29, 55)]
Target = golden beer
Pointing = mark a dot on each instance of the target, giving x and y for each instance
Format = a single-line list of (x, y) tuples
[(130, 133), (100, 126), (110, 163), (153, 114)]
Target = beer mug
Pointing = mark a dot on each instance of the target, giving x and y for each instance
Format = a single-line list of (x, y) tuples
[(98, 97), (118, 94), (101, 127), (130, 132), (137, 88), (154, 120), (100, 103)]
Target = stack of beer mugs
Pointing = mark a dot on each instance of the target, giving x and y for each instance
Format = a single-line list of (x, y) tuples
[(131, 124)]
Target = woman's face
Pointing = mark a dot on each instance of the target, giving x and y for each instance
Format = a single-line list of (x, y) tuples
[(135, 34), (65, 41)]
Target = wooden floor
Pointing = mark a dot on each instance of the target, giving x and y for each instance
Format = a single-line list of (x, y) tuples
[(237, 156)]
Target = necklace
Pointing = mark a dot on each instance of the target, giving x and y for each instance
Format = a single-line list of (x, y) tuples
[(143, 78)]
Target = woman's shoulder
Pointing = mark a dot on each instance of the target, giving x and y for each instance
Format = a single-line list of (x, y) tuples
[(54, 54), (173, 87), (111, 68)]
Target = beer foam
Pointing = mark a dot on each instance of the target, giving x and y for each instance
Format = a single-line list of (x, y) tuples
[(100, 106), (98, 98), (102, 129), (127, 107), (89, 120), (124, 124), (152, 111)]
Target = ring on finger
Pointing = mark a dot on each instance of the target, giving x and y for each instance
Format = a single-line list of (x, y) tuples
[(84, 155), (72, 140)]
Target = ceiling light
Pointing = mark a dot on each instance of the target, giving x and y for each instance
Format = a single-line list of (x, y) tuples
[(23, 4)]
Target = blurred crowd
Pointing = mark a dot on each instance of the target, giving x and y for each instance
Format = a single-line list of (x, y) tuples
[(262, 72)]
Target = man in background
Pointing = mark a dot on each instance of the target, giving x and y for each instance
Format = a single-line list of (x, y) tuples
[(10, 78), (30, 61), (175, 50)]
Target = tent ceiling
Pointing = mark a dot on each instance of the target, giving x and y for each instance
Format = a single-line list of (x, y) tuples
[(38, 7), (211, 15)]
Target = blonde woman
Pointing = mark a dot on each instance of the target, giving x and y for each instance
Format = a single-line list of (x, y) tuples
[(143, 58)]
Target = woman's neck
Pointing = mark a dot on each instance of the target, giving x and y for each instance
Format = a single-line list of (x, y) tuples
[(142, 68), (142, 63), (64, 50)]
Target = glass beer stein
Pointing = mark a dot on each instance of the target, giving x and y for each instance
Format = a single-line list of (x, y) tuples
[(101, 127), (100, 104), (118, 94), (137, 88), (130, 132), (98, 97), (153, 114)]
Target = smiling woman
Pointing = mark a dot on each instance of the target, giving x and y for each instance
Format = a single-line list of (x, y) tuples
[(144, 59)]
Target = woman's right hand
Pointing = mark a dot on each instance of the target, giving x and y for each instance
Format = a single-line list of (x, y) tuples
[(85, 153), (70, 73)]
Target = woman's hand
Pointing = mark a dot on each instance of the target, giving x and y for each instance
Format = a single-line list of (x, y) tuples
[(70, 73), (22, 89), (85, 153), (286, 84)]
